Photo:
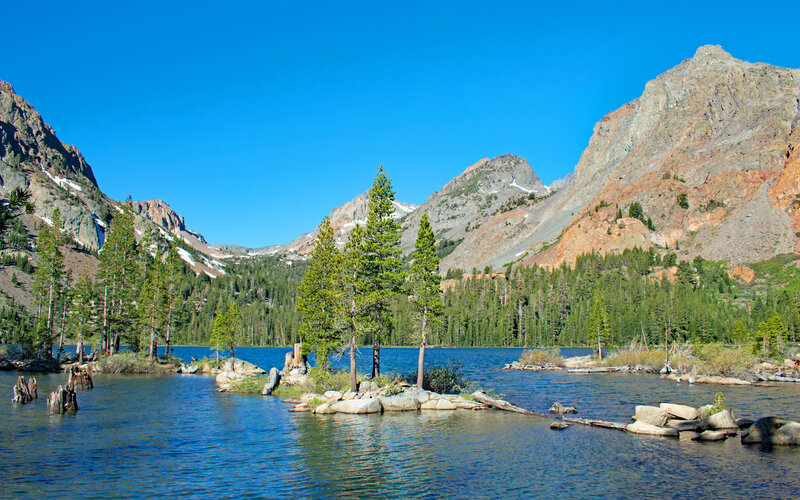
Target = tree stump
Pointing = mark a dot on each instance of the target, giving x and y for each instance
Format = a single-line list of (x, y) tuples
[(24, 393), (79, 379), (62, 400)]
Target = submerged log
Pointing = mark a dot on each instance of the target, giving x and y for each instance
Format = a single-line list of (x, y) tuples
[(80, 379), (62, 400), (501, 404), (24, 393), (595, 423)]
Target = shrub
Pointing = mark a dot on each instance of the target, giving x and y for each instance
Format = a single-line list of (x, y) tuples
[(717, 406), (541, 357), (446, 379), (716, 359), (329, 380), (131, 362), (249, 385)]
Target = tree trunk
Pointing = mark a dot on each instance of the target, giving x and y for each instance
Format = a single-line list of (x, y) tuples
[(421, 364), (62, 400), (49, 325), (106, 344), (169, 325), (376, 357)]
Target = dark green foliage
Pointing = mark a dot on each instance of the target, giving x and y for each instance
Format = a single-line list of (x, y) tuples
[(682, 200), (454, 273), (318, 297), (446, 379), (446, 247), (635, 210), (19, 260)]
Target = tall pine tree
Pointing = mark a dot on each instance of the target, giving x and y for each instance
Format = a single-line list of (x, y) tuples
[(425, 286), (598, 322), (318, 297), (382, 265)]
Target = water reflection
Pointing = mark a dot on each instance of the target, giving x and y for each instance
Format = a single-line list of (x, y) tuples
[(176, 436)]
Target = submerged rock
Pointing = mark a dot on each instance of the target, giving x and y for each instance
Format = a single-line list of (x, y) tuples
[(711, 436), (560, 409), (762, 429), (640, 427), (324, 409), (786, 435)]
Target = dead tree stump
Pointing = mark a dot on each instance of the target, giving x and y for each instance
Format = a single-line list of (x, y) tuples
[(24, 393), (79, 379), (62, 400)]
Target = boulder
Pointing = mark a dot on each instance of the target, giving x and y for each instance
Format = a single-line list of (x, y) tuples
[(421, 394), (762, 429), (721, 420), (324, 409), (558, 425), (367, 386), (228, 377), (308, 398), (357, 406), (272, 382), (405, 401), (438, 404), (348, 395), (711, 436), (332, 396), (241, 366), (560, 409), (744, 423), (679, 411), (785, 435), (650, 415), (465, 404), (690, 425), (640, 427)]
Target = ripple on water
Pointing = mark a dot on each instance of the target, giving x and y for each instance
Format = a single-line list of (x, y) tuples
[(176, 436)]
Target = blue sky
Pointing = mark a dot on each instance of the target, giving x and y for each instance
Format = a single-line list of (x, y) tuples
[(254, 118)]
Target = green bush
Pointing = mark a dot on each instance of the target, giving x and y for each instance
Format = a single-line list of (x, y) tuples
[(446, 379), (717, 359)]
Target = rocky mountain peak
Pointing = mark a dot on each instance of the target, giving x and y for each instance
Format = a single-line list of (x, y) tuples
[(711, 51), (161, 213)]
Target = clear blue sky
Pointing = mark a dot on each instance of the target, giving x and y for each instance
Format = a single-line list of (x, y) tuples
[(254, 118)]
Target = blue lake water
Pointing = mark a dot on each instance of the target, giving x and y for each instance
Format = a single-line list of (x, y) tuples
[(146, 436)]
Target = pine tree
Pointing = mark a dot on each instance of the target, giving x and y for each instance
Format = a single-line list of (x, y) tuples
[(82, 318), (118, 275), (352, 284), (425, 287), (598, 322), (151, 307), (382, 266), (318, 298), (233, 324), (48, 281), (218, 334), (171, 278)]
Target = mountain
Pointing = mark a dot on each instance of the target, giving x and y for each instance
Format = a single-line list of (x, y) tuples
[(708, 151), (58, 176), (343, 219)]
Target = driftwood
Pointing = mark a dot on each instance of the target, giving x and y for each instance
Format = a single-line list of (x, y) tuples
[(25, 393), (62, 400), (600, 369), (505, 405), (79, 379), (595, 423), (775, 378), (501, 404)]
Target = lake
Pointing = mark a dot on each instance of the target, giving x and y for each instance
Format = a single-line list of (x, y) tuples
[(146, 436)]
